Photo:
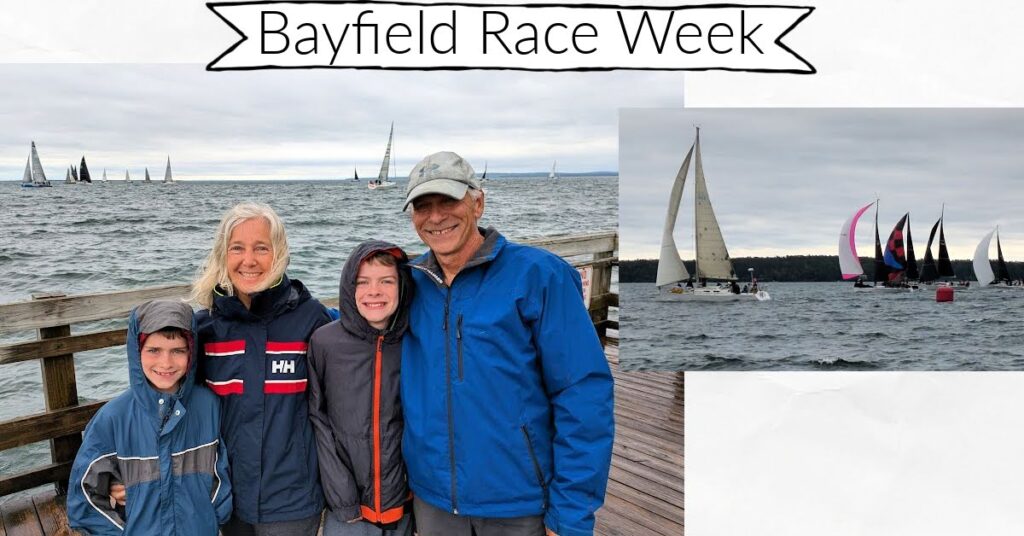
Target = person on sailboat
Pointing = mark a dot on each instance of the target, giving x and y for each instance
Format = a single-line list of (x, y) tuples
[(253, 333), (521, 443), (354, 398)]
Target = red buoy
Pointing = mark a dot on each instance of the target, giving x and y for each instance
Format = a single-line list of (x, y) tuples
[(944, 294)]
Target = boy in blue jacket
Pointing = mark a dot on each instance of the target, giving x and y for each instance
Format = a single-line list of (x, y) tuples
[(160, 439)]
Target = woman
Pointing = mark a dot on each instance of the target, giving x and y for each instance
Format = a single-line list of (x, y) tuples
[(253, 334)]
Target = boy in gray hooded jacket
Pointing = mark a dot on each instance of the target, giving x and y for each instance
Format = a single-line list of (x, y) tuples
[(354, 396)]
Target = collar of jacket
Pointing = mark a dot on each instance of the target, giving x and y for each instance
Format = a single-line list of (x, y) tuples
[(494, 242), (285, 295), (351, 320)]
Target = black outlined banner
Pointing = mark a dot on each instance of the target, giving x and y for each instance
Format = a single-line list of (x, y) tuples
[(530, 37)]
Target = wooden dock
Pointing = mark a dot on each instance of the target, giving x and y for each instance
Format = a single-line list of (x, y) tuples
[(645, 488)]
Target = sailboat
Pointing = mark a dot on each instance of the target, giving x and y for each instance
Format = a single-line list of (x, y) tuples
[(355, 175), (104, 174), (983, 268), (167, 173), (931, 268), (74, 173), (553, 174), (849, 262), (899, 255), (34, 176), (84, 174), (712, 257), (127, 179), (382, 182), (147, 179), (67, 177), (483, 178)]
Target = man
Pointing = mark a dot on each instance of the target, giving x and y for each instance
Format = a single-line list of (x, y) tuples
[(506, 391)]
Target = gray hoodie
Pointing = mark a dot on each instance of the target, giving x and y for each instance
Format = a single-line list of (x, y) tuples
[(354, 401)]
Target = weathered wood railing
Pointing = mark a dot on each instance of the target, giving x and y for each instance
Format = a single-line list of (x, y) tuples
[(53, 314)]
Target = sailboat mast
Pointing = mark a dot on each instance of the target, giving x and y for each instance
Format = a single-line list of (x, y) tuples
[(696, 216)]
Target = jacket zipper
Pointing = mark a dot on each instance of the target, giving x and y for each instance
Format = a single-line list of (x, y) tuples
[(536, 464), (458, 341), (376, 424), (448, 385)]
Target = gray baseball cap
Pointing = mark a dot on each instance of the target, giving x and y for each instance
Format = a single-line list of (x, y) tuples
[(444, 173)]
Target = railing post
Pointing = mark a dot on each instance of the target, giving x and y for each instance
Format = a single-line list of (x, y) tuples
[(60, 390), (602, 286)]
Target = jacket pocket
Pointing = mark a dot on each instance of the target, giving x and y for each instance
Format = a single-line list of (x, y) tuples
[(458, 344), (536, 464)]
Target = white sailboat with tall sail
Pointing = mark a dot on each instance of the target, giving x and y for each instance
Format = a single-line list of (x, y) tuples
[(127, 178), (34, 176), (168, 179), (104, 174), (712, 258), (382, 182), (1000, 278), (554, 170)]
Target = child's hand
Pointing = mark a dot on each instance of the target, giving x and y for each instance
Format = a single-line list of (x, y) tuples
[(118, 493)]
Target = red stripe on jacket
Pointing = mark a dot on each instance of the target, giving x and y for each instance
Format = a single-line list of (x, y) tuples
[(286, 347), (225, 347), (230, 387), (284, 387)]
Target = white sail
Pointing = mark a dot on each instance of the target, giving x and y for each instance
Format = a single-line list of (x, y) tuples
[(104, 174), (553, 173), (982, 268), (126, 177), (27, 177), (849, 262), (67, 177), (386, 164), (713, 260), (38, 177), (167, 172), (670, 266)]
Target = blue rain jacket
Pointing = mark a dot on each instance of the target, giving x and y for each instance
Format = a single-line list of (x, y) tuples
[(165, 449), (255, 359), (506, 390)]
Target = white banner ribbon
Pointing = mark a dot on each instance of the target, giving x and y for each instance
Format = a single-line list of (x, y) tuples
[(537, 37)]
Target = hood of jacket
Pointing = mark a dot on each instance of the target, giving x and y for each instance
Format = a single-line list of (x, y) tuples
[(351, 320), (148, 318)]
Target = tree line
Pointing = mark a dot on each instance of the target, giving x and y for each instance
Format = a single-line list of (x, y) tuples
[(796, 268)]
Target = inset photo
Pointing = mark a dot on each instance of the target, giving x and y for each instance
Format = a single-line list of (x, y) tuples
[(784, 239)]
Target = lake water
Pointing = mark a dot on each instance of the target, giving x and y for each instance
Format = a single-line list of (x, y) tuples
[(823, 326), (101, 237)]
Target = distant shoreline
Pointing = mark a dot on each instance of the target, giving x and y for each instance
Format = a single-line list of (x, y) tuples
[(490, 176), (790, 269)]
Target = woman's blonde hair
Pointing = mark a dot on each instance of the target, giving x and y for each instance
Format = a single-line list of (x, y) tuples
[(214, 271)]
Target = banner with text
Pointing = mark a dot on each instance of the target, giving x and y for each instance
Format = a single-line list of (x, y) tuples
[(530, 37)]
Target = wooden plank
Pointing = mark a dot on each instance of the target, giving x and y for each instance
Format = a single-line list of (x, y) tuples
[(34, 314), (43, 426), (25, 351), (20, 518), (35, 477), (572, 245), (52, 513)]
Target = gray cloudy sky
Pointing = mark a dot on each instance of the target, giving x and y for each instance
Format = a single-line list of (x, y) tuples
[(311, 124), (783, 181)]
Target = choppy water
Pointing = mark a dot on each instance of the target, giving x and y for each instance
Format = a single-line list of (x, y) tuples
[(101, 237), (824, 326)]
